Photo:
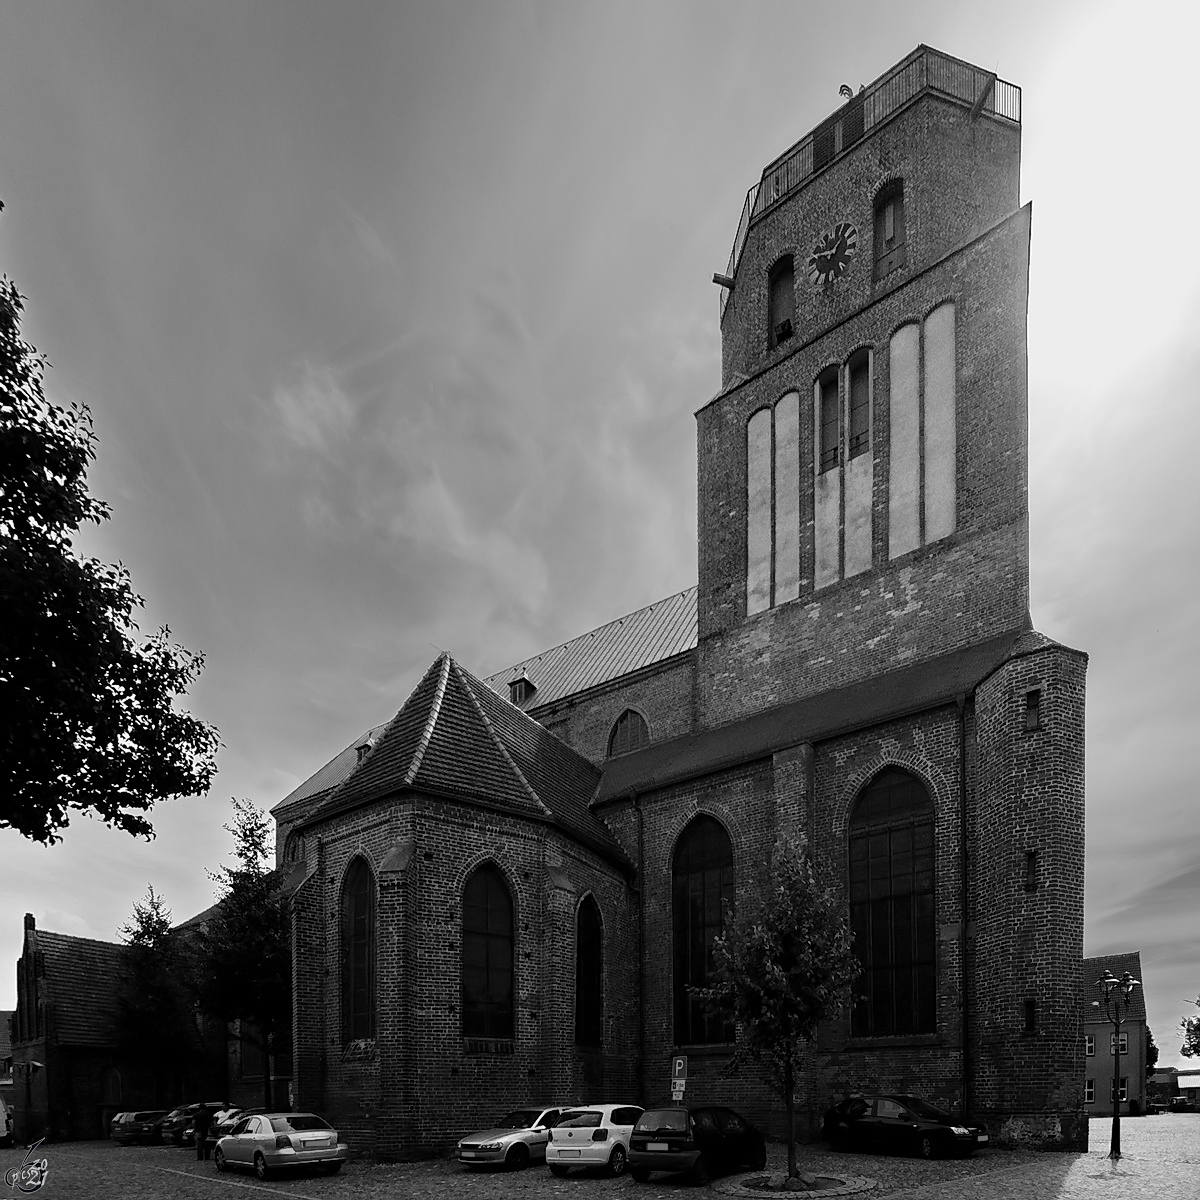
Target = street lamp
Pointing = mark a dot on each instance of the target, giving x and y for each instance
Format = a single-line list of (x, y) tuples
[(1116, 1004)]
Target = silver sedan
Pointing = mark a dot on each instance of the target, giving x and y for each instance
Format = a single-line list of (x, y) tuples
[(268, 1142)]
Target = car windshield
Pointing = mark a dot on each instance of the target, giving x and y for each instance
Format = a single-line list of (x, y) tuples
[(295, 1122), (924, 1109), (519, 1118), (581, 1120), (658, 1119)]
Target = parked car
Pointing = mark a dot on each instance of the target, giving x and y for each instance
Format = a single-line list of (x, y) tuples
[(899, 1124), (1181, 1104), (144, 1126), (516, 1140), (281, 1141), (225, 1119), (177, 1125), (703, 1141), (596, 1136)]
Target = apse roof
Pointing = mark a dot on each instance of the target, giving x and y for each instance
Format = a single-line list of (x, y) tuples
[(639, 639), (456, 737)]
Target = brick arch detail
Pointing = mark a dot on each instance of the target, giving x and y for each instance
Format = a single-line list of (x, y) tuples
[(941, 791), (884, 181), (612, 728), (724, 816)]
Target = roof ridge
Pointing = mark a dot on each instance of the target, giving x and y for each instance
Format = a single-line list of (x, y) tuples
[(464, 677), (74, 937), (435, 710)]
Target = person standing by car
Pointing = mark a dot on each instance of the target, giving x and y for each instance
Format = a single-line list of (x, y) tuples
[(200, 1128)]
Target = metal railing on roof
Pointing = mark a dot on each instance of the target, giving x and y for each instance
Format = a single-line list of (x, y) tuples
[(925, 70)]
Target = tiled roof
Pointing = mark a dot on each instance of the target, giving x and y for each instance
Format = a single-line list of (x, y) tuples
[(456, 737), (649, 635), (881, 698), (332, 773), (82, 979), (1118, 964)]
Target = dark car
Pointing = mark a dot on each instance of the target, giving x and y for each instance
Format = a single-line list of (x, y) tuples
[(703, 1141), (144, 1126), (899, 1125), (177, 1125)]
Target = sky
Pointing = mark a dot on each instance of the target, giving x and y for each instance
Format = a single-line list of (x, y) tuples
[(393, 318)]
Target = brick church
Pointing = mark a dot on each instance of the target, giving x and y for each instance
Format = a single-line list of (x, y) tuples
[(510, 885)]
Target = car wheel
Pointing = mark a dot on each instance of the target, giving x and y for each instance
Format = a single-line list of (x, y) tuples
[(260, 1166), (558, 1170), (758, 1157), (639, 1174), (517, 1158), (617, 1161), (219, 1159), (928, 1147), (700, 1173)]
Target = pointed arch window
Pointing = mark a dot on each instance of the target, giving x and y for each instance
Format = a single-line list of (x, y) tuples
[(628, 734), (892, 907), (487, 956), (358, 952), (702, 882), (589, 974)]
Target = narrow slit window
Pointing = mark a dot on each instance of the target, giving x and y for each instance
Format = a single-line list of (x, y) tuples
[(831, 424), (1033, 709), (1031, 870), (890, 245), (1030, 1016), (781, 305), (860, 405)]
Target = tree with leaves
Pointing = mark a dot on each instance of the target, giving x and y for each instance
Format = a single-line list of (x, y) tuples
[(1151, 1053), (157, 1034), (87, 715), (243, 954), (781, 967), (1191, 1035)]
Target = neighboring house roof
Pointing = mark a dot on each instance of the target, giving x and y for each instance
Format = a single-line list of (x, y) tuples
[(80, 979), (456, 737), (630, 643), (1118, 964), (869, 702)]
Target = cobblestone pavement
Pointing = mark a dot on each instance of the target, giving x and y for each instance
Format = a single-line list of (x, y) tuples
[(1161, 1162)]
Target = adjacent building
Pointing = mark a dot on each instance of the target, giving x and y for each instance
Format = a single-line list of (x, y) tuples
[(1103, 1083), (509, 888)]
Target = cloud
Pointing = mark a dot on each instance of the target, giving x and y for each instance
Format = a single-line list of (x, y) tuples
[(315, 415)]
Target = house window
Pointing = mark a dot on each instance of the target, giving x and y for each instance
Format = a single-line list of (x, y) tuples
[(487, 956), (831, 423), (781, 302), (358, 952), (702, 883), (1030, 1016), (1033, 709), (1031, 870), (1089, 1092), (628, 734), (891, 907), (1124, 1089), (1112, 1043), (860, 404), (589, 974), (891, 250), (1089, 1043)]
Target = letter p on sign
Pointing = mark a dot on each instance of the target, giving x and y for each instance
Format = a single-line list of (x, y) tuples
[(679, 1068)]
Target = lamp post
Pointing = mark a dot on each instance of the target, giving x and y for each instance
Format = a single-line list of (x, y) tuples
[(1116, 1004)]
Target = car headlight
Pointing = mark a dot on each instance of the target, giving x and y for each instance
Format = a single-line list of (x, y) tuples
[(962, 1131), (491, 1146)]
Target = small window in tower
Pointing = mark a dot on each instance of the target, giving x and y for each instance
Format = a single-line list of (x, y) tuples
[(890, 246), (831, 422), (1031, 1016), (860, 404), (1033, 709), (781, 304), (1031, 870)]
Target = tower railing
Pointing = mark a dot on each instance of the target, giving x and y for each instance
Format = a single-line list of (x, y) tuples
[(924, 70)]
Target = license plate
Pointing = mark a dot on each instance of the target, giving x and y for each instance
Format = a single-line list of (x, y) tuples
[(982, 1137), (466, 1153), (657, 1146), (568, 1154)]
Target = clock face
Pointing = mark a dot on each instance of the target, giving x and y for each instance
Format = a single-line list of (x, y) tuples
[(832, 254)]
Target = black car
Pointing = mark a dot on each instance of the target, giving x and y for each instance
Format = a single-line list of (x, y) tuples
[(703, 1141), (899, 1124), (130, 1127), (177, 1125)]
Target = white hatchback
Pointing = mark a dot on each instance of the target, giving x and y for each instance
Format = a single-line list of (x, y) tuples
[(593, 1135)]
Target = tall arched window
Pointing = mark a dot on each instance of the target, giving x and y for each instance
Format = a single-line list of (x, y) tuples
[(629, 733), (589, 974), (702, 880), (487, 956), (358, 952), (891, 907), (781, 302)]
